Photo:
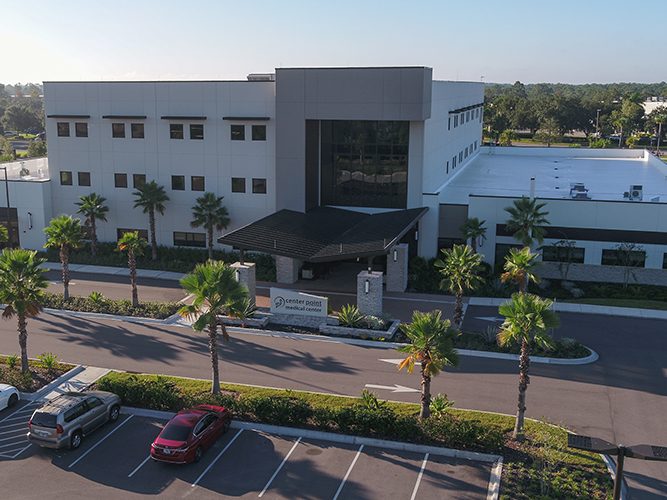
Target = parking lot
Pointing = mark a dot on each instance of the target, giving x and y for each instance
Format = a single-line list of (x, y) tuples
[(244, 463)]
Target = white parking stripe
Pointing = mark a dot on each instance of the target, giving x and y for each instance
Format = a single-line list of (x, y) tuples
[(419, 477), (22, 450), (25, 409), (100, 441), (24, 423), (216, 458), (349, 470), (16, 443), (139, 466), (16, 433), (279, 467)]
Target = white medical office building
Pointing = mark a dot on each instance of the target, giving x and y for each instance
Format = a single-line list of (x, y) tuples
[(318, 165)]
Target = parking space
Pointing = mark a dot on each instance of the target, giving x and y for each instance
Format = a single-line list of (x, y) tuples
[(114, 462), (13, 430)]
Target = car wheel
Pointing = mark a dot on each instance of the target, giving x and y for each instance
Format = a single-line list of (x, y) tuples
[(13, 399), (114, 413), (198, 454), (75, 440)]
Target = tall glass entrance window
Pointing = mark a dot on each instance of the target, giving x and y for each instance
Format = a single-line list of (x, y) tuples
[(364, 163)]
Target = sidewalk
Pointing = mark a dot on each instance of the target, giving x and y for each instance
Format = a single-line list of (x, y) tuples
[(77, 379), (115, 271)]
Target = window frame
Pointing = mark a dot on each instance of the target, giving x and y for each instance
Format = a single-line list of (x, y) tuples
[(176, 130), (239, 179), (192, 183), (196, 137), (83, 126), (63, 181), (78, 176), (237, 132), (257, 128), (189, 239), (116, 177), (182, 179), (134, 131), (116, 129), (141, 178), (258, 181), (61, 128)]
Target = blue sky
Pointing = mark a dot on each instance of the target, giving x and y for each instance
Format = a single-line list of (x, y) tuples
[(574, 41)]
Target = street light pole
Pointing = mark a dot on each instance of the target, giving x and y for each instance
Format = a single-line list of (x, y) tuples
[(9, 227), (597, 123), (618, 478)]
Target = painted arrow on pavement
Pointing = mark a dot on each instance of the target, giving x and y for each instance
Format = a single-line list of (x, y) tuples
[(392, 388), (490, 318)]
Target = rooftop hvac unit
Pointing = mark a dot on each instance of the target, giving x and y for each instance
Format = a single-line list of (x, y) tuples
[(636, 192), (261, 77), (578, 191)]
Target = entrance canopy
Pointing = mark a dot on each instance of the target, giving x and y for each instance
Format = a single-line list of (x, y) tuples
[(325, 234)]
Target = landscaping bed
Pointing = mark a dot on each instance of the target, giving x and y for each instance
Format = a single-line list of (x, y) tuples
[(541, 464), (563, 348), (41, 372), (157, 310)]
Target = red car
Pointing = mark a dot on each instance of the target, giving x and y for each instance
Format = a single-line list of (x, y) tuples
[(186, 436)]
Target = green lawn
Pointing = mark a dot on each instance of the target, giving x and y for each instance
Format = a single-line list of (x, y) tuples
[(638, 303)]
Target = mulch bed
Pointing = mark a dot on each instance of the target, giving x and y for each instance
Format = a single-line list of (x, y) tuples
[(37, 378)]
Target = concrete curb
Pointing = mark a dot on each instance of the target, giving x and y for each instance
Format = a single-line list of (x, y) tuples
[(592, 358), (34, 396), (333, 437), (611, 467), (494, 482), (113, 317)]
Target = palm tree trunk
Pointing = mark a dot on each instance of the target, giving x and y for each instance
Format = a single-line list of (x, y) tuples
[(473, 244), (209, 235), (151, 223), (524, 380), (64, 260), (425, 411), (93, 237), (458, 310), (213, 349), (23, 342), (132, 263)]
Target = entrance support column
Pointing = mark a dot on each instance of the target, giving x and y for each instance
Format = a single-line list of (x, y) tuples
[(397, 268), (245, 275), (287, 269), (369, 293)]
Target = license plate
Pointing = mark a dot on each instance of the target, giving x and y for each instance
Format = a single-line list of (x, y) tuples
[(42, 433)]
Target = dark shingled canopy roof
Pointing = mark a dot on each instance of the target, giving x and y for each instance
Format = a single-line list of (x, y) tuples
[(324, 234)]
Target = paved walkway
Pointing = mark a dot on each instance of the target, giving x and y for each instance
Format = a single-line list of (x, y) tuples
[(118, 271)]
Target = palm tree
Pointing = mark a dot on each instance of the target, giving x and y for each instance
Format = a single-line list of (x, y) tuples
[(151, 197), (526, 220), (431, 345), (528, 319), (4, 234), (215, 289), (92, 207), (210, 213), (22, 283), (473, 229), (134, 245), (519, 268), (65, 233), (459, 268)]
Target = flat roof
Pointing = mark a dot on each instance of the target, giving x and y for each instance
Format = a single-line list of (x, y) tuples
[(607, 174), (28, 170)]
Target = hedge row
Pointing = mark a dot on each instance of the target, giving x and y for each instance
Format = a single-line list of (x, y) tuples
[(158, 310)]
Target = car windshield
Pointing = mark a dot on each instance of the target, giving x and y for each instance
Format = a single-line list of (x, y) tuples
[(44, 420), (175, 432)]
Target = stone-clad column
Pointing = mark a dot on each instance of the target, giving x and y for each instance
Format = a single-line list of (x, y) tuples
[(245, 274), (287, 269), (369, 293), (397, 268)]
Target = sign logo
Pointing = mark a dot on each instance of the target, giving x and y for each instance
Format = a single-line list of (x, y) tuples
[(298, 303), (279, 302)]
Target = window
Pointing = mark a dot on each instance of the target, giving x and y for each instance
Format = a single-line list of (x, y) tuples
[(138, 180), (466, 152), (74, 413), (182, 239), (63, 129), (137, 130), (259, 132), (238, 184), (664, 261), (81, 129), (453, 162), (84, 178), (259, 186), (176, 130), (178, 182), (475, 145), (462, 118), (456, 121), (117, 130), (449, 123), (470, 148), (197, 131), (467, 116), (625, 257), (238, 132), (197, 183), (93, 402), (143, 233), (563, 252), (502, 249), (460, 156), (447, 166), (120, 180), (65, 178)]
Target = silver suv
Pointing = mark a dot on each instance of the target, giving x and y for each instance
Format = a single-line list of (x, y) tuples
[(65, 420)]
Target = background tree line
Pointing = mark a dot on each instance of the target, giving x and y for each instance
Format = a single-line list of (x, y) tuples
[(21, 108), (549, 111)]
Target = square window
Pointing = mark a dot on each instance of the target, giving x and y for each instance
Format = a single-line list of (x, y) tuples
[(259, 186), (120, 180), (238, 184), (447, 166), (63, 129), (456, 121), (84, 178), (449, 123), (65, 178), (117, 130), (197, 183), (137, 130), (81, 129), (238, 132), (259, 132), (176, 130), (197, 131), (189, 239), (178, 182), (138, 180)]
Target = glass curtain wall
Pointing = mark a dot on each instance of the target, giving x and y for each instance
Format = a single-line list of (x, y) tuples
[(364, 163)]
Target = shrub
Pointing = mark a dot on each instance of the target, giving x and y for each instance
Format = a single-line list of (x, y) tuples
[(370, 401), (12, 361), (97, 298), (375, 323), (279, 410), (155, 392), (48, 361), (159, 310), (350, 316), (422, 276), (440, 404), (243, 310)]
